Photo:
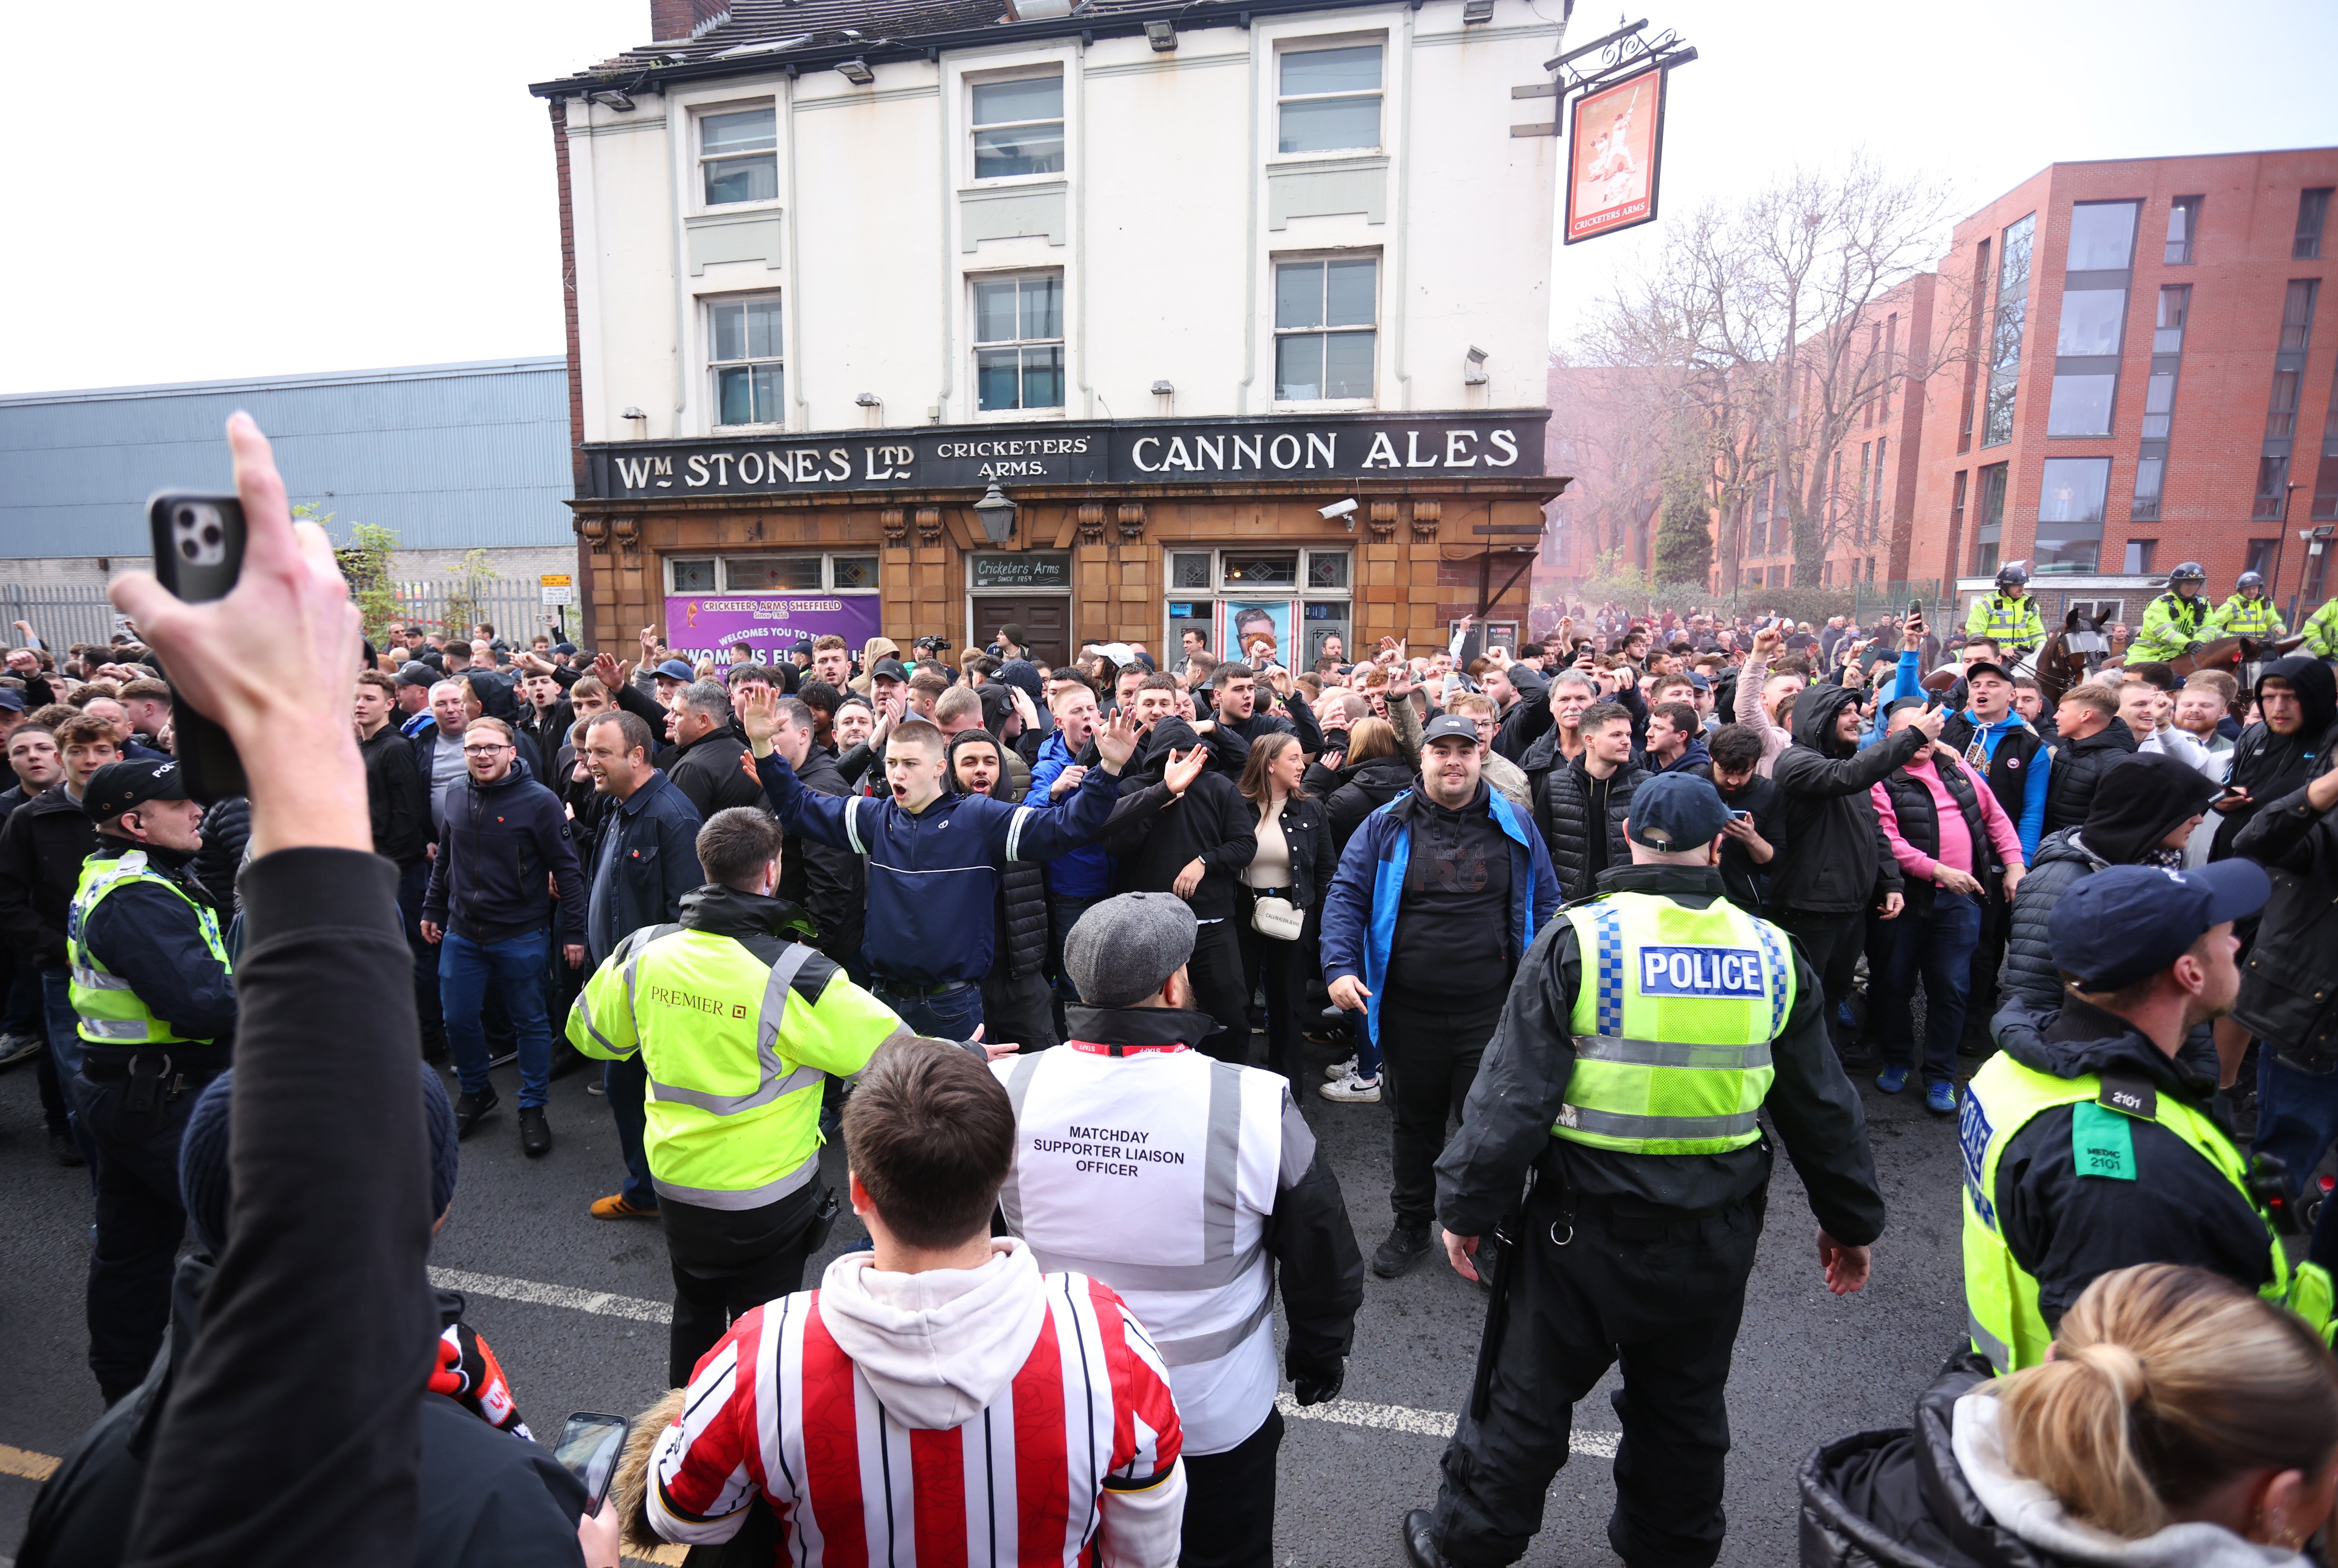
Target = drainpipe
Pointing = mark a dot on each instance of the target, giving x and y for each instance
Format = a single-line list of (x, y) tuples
[(1075, 191), (1250, 246), (942, 105), (793, 216), (1404, 215)]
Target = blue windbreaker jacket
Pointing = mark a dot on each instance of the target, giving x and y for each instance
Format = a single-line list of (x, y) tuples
[(1085, 872), (1360, 911)]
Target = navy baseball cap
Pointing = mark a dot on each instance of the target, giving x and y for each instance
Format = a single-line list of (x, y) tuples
[(2127, 923), (1450, 727), (12, 699), (1677, 811), (675, 670), (119, 786)]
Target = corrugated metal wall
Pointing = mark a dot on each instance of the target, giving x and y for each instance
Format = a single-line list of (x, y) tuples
[(449, 456)]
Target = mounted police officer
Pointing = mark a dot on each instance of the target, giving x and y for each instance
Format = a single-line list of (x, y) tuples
[(740, 1022), (2176, 619), (1645, 1031), (2009, 614), (2088, 1146), (2248, 613), (156, 1005)]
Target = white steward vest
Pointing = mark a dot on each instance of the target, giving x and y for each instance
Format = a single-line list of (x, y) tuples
[(1156, 1172)]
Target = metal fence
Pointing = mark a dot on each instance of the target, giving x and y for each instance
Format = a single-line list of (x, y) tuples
[(66, 614)]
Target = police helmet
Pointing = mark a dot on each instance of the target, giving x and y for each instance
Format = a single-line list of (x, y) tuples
[(2251, 580), (2013, 574), (2190, 572)]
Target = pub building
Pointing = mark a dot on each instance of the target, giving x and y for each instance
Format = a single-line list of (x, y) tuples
[(886, 321)]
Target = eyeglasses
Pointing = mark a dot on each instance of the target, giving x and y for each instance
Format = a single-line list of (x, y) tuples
[(483, 751)]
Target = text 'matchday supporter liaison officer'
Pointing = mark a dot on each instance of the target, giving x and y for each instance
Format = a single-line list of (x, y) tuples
[(1181, 1182), (1643, 1035)]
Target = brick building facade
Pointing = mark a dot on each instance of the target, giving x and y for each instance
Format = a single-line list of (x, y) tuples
[(2151, 382)]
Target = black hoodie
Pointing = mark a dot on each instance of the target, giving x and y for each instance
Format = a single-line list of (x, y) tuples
[(2068, 1230), (1840, 863), (1155, 834), (2269, 766)]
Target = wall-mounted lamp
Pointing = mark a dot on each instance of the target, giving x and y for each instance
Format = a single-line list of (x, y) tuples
[(856, 70), (869, 400), (1473, 370), (611, 99), (1161, 34), (997, 514), (1477, 11), (1162, 390), (631, 413)]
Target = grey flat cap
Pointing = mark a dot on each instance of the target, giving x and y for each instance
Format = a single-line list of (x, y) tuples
[(1122, 950)]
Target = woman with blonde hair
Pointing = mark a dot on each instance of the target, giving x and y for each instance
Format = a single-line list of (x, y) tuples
[(1282, 888), (2178, 1420)]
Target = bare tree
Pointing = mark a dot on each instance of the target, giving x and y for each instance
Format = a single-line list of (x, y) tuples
[(1756, 320)]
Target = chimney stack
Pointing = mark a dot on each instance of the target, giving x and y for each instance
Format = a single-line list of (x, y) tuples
[(678, 21)]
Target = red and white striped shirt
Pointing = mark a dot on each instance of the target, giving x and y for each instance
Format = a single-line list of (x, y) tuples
[(778, 1408)]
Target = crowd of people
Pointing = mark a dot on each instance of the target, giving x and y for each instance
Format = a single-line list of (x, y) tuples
[(1597, 919)]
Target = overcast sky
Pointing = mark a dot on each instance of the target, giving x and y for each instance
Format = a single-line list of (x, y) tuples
[(257, 189)]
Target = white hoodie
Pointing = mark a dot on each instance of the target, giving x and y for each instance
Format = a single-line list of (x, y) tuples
[(938, 1348), (2029, 1511)]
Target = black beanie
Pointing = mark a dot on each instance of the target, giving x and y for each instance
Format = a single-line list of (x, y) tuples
[(2140, 800), (204, 1185)]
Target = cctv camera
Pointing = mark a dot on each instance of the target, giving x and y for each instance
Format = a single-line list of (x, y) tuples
[(1337, 508)]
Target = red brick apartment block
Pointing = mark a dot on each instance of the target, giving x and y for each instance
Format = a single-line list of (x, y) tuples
[(2152, 383)]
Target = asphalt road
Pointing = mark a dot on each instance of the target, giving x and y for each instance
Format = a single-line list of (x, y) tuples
[(1809, 1366)]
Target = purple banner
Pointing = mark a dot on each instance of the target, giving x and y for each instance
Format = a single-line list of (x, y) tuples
[(701, 624)]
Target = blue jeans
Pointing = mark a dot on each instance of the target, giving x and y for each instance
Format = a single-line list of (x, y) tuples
[(413, 882), (2297, 1118), (945, 1014), (514, 967), (1939, 945), (624, 1084)]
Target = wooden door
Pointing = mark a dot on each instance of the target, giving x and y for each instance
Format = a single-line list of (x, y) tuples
[(1046, 620)]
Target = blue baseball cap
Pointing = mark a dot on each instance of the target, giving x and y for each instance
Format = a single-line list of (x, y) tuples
[(2127, 923), (1677, 811), (675, 670)]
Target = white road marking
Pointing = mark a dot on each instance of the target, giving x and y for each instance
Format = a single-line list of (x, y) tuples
[(602, 1303), (1423, 1423)]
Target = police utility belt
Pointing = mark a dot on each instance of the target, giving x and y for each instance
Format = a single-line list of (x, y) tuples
[(156, 1074)]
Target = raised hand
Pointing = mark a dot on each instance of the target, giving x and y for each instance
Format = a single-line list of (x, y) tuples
[(1182, 770), (759, 715), (1115, 742)]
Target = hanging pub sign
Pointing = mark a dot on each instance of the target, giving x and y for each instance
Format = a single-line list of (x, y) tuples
[(1614, 151)]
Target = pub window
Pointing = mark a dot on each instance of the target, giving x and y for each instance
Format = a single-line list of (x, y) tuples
[(743, 354), (694, 574), (851, 572), (1190, 569), (1330, 100), (1018, 335), (1326, 569), (1018, 127), (1326, 321), (738, 156), (1248, 569), (772, 575)]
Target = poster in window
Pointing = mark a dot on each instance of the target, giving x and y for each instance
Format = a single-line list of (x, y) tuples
[(1253, 625), (1612, 155)]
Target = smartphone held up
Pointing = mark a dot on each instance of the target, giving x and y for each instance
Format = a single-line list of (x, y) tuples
[(198, 554)]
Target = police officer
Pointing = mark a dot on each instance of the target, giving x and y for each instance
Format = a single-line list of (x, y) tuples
[(738, 1022), (2008, 614), (2248, 613), (2320, 630), (151, 990), (2087, 1146), (2174, 620), (1646, 1030), (1126, 1123)]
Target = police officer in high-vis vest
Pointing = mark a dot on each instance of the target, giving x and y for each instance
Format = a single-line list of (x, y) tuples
[(2086, 1145), (2008, 614), (152, 988), (741, 1023), (2174, 620), (1646, 1029), (2248, 613), (1193, 1189)]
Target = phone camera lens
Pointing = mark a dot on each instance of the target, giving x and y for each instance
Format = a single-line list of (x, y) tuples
[(186, 516), (187, 548), (211, 533)]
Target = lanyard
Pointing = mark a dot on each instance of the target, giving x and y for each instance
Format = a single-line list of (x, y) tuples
[(1092, 1049)]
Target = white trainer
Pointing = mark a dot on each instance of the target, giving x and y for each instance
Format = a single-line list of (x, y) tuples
[(1354, 1091), (1339, 1070)]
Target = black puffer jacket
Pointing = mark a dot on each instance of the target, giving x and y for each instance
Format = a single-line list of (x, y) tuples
[(1355, 792), (2079, 766), (1900, 1499), (1561, 793), (1841, 862), (2028, 972), (1920, 825), (227, 829), (2291, 976), (2269, 766), (1022, 919)]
